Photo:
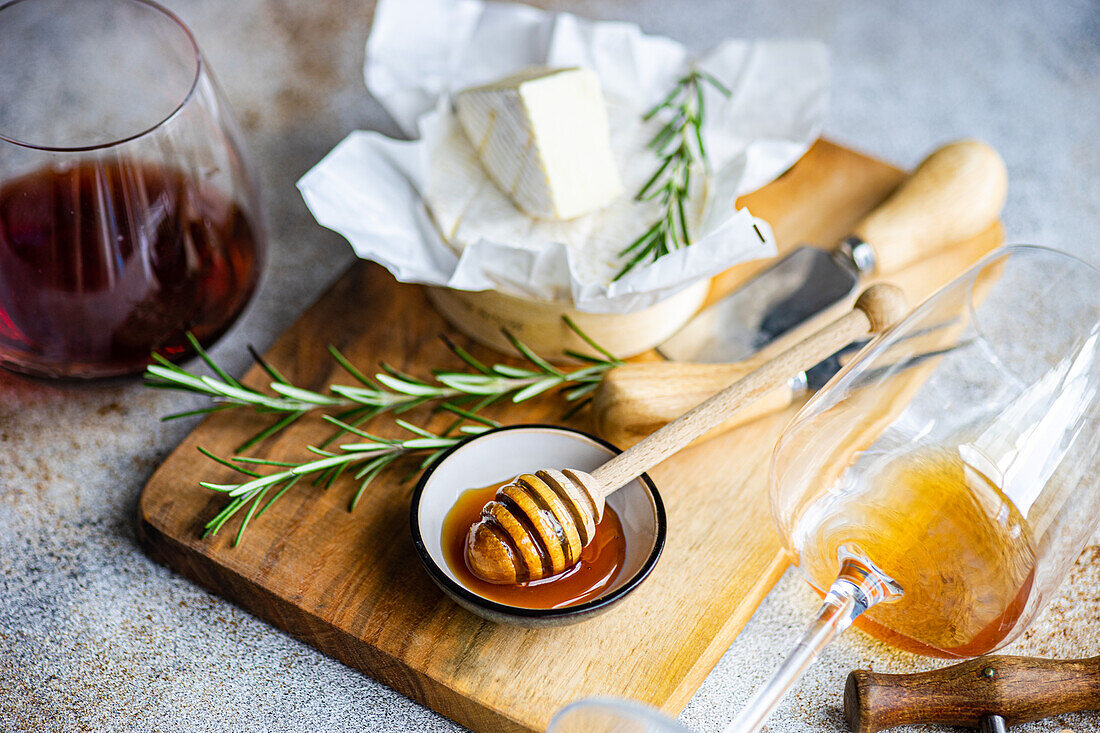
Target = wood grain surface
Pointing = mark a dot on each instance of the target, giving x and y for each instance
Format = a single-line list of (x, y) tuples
[(350, 584)]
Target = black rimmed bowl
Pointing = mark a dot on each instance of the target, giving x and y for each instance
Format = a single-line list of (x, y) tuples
[(502, 453)]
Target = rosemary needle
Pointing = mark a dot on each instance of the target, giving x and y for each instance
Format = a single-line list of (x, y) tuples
[(370, 457), (679, 145)]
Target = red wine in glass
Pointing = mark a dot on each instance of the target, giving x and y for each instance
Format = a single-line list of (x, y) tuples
[(128, 212), (97, 287)]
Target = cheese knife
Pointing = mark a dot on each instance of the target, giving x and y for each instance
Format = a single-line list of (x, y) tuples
[(637, 398), (956, 193), (988, 693)]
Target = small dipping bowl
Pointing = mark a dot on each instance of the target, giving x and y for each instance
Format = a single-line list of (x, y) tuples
[(503, 453)]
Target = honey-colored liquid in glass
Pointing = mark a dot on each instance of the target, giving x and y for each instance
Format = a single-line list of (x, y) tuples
[(959, 548), (600, 564)]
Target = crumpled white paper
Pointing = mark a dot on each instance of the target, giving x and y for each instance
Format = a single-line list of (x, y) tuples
[(369, 188)]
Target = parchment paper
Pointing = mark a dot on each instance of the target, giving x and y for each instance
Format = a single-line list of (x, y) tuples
[(371, 188)]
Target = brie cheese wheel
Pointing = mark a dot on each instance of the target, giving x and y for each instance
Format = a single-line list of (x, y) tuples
[(467, 207), (543, 137)]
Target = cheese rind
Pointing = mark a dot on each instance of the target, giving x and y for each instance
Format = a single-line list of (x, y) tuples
[(542, 136)]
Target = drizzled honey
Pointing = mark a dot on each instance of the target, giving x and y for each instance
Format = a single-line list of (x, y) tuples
[(958, 547), (600, 564)]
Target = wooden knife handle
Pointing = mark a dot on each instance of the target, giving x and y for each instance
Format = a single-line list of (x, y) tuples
[(634, 400), (1020, 689), (955, 194)]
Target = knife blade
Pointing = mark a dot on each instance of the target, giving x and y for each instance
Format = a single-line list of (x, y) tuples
[(816, 377), (802, 284), (954, 194)]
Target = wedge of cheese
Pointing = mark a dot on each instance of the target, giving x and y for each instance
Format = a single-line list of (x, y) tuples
[(467, 207), (543, 138)]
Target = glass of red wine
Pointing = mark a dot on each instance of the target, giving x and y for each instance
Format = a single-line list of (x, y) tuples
[(129, 215)]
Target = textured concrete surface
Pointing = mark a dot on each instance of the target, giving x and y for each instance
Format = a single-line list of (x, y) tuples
[(94, 636)]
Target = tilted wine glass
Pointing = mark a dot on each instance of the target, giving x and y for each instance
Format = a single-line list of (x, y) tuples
[(939, 505), (129, 213)]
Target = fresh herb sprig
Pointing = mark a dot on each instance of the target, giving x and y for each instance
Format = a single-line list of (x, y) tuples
[(461, 393), (258, 492), (391, 390), (679, 145)]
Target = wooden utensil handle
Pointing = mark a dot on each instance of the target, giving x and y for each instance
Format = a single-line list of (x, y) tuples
[(876, 309), (634, 400), (1019, 689), (955, 194)]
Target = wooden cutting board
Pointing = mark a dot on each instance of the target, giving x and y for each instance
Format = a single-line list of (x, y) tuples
[(350, 584)]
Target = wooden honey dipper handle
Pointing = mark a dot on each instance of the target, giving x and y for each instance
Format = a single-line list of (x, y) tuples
[(879, 307), (1019, 689)]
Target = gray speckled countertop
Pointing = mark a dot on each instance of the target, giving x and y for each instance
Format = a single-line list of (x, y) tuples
[(95, 636)]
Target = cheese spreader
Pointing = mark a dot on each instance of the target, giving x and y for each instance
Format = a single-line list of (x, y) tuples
[(956, 193)]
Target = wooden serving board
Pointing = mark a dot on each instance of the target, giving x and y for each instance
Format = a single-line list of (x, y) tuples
[(350, 584)]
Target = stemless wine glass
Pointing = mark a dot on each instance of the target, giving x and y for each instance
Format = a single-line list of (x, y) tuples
[(128, 212), (938, 490)]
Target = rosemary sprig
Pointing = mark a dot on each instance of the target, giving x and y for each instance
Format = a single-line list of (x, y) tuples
[(255, 495), (391, 390), (679, 145)]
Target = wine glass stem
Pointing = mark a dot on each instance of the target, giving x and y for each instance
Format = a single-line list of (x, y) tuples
[(859, 585), (836, 614)]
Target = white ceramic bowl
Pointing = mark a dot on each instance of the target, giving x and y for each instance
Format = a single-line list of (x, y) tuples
[(502, 453)]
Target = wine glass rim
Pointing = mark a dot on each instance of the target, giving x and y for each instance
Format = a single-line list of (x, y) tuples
[(878, 345), (619, 705), (1008, 249), (969, 275), (142, 133)]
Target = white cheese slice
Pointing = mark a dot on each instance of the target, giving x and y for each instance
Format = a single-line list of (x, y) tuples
[(543, 137)]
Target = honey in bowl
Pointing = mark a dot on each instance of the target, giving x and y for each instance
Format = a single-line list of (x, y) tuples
[(599, 566)]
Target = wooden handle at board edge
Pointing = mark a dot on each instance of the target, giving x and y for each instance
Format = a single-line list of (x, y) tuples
[(876, 309), (956, 193), (1020, 689)]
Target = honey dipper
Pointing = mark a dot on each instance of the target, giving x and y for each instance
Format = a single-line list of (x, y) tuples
[(539, 522)]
